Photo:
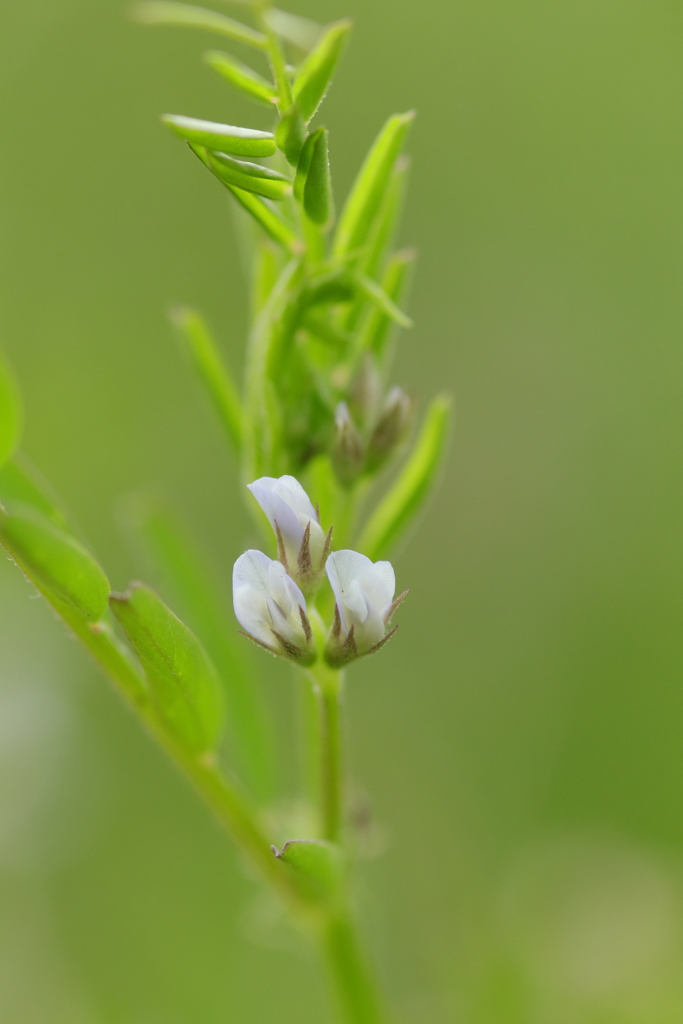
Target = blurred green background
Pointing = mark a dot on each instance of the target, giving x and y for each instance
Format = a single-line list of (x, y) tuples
[(523, 738)]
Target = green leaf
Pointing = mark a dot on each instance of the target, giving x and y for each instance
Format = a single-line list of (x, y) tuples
[(384, 229), (365, 200), (315, 75), (376, 331), (55, 561), (320, 864), (415, 483), (11, 412), (242, 77), (290, 135), (270, 185), (174, 556), (373, 291), (303, 32), (272, 223), (164, 12), (318, 198), (182, 681), (227, 138), (21, 482), (212, 371)]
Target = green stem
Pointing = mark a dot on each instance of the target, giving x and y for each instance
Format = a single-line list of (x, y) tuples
[(352, 978), (327, 687)]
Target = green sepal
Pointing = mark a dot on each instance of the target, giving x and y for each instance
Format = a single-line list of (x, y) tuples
[(176, 559), (319, 864), (315, 75), (55, 561), (165, 12), (11, 413), (365, 199), (290, 135), (241, 174), (212, 371), (226, 138), (272, 223), (318, 199), (405, 500), (182, 681), (21, 482), (242, 77)]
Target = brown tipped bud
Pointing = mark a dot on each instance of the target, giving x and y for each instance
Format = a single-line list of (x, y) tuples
[(348, 454), (391, 428)]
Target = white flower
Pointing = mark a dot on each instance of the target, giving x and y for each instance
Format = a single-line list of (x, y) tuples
[(270, 607), (301, 541), (364, 592)]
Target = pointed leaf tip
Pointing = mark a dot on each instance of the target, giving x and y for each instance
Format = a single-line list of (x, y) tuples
[(315, 76), (226, 138), (58, 565), (167, 12)]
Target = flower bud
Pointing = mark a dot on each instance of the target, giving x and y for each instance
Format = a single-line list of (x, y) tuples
[(364, 594), (391, 428), (301, 544), (348, 453), (271, 608)]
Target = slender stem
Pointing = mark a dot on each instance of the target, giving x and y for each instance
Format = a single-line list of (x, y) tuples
[(330, 762), (327, 687), (352, 978)]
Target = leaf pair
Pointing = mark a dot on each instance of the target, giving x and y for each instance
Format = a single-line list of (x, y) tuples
[(180, 684)]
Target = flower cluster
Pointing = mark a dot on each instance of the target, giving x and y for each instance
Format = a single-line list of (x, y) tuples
[(270, 595)]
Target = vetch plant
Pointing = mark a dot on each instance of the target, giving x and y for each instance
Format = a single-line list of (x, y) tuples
[(320, 435)]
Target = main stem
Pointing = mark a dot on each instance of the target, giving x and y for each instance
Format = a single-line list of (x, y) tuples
[(328, 693), (347, 963)]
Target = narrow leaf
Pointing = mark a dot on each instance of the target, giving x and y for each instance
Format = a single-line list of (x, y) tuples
[(11, 413), (234, 172), (384, 229), (174, 555), (290, 135), (318, 197), (272, 223), (409, 493), (373, 291), (227, 138), (182, 681), (56, 562), (315, 75), (303, 32), (212, 371), (320, 864), (21, 482), (242, 77), (365, 200), (376, 331), (165, 12)]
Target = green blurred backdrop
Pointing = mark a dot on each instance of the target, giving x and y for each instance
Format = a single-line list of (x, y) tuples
[(523, 738)]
